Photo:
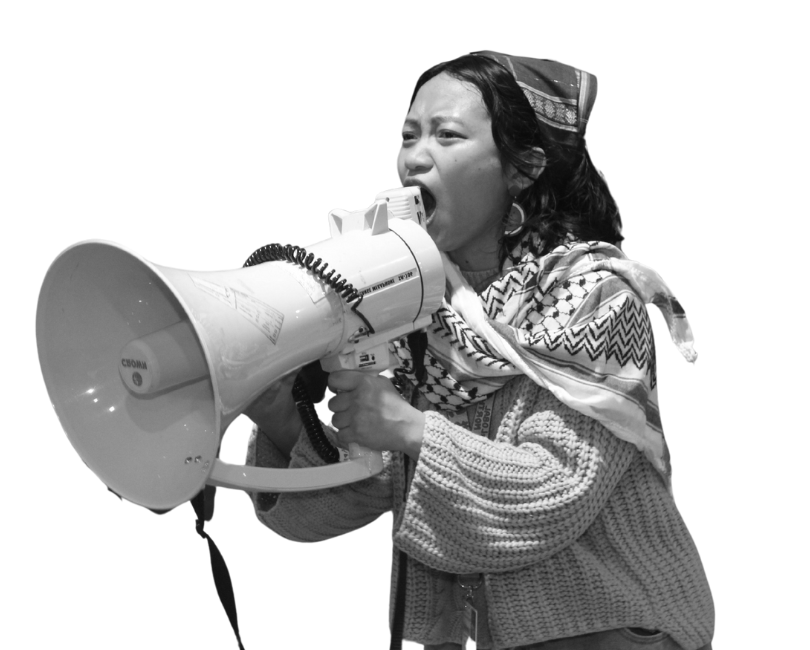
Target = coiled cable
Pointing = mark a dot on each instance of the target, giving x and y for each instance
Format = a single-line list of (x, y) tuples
[(312, 425), (302, 390), (300, 257)]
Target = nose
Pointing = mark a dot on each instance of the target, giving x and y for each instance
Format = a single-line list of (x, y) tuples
[(416, 156)]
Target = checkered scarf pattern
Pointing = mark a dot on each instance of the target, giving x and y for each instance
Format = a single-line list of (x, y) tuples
[(574, 320)]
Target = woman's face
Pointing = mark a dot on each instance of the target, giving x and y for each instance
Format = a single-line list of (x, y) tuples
[(448, 151)]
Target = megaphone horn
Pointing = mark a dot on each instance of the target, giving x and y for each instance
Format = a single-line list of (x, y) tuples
[(147, 366)]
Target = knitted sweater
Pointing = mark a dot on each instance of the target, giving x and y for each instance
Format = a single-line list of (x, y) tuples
[(573, 530)]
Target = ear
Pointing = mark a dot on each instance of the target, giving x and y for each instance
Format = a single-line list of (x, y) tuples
[(534, 164)]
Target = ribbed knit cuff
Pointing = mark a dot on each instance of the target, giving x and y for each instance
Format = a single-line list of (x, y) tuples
[(430, 524), (262, 452)]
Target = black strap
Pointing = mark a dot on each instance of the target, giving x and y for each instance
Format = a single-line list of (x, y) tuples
[(398, 624), (398, 621), (204, 507)]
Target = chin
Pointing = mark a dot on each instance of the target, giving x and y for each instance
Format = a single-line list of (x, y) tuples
[(436, 234)]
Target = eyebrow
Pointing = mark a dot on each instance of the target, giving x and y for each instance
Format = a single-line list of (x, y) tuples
[(436, 119)]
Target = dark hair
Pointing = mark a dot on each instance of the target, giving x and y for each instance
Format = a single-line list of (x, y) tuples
[(570, 196)]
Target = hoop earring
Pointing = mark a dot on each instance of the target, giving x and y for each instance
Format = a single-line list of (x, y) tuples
[(517, 215)]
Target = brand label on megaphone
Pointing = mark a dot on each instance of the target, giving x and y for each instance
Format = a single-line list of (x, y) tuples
[(134, 363), (389, 282), (162, 360)]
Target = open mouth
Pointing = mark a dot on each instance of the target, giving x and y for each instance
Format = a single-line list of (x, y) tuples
[(429, 201)]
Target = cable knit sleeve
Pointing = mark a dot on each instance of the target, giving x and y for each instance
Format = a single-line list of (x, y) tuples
[(477, 505), (318, 514)]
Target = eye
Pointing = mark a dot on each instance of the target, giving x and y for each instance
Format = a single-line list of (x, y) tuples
[(447, 134), (408, 136)]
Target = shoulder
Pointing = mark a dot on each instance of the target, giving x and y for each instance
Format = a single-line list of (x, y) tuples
[(527, 411), (585, 296)]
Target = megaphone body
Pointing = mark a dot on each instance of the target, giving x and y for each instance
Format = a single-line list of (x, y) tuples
[(147, 365)]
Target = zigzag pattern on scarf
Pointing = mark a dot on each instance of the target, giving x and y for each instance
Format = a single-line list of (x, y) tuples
[(623, 334), (464, 339), (498, 294), (521, 278)]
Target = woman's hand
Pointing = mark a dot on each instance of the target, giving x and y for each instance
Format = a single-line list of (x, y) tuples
[(369, 411)]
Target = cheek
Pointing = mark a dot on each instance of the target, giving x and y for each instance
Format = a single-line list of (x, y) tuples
[(482, 185), (401, 166), (491, 173)]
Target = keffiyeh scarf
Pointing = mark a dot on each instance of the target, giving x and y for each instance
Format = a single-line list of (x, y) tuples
[(573, 320)]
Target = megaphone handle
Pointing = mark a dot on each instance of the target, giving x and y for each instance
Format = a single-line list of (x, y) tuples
[(370, 457), (357, 451), (312, 425)]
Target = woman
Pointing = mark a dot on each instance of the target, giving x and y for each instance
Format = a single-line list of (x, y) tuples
[(526, 467)]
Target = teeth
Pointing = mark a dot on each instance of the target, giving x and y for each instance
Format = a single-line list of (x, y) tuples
[(429, 201)]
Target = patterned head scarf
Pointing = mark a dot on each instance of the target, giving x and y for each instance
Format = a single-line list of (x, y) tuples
[(562, 97), (573, 320)]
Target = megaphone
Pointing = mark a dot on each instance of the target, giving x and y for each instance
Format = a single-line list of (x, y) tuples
[(147, 366)]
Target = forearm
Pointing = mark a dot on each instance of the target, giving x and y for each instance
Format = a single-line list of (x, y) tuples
[(283, 429), (477, 505)]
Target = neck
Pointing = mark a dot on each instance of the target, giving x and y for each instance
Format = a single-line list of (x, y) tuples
[(481, 256), (480, 249), (476, 264)]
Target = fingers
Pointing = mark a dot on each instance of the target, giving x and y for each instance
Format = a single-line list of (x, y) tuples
[(345, 380), (339, 402), (343, 406)]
